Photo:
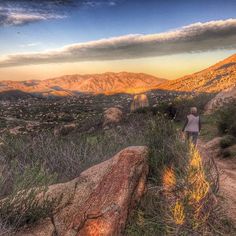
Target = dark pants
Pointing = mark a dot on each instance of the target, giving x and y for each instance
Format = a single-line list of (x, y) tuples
[(192, 137)]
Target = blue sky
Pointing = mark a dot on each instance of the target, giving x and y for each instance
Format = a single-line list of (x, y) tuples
[(54, 27)]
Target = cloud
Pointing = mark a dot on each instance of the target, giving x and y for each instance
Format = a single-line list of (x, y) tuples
[(23, 12), (199, 37), (90, 3), (30, 44), (21, 18)]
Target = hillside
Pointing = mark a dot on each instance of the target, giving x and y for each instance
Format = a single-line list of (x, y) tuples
[(213, 79), (107, 83)]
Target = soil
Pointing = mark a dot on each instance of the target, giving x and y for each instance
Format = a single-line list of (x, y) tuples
[(227, 180)]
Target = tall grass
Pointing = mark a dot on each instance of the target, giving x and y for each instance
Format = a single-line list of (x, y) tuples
[(31, 164), (181, 196)]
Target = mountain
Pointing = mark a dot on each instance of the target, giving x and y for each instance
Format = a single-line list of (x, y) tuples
[(14, 94), (213, 79), (107, 83)]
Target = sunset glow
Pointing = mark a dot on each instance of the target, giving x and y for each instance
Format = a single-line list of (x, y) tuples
[(89, 37)]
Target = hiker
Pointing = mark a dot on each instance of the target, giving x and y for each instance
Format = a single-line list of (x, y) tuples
[(192, 126)]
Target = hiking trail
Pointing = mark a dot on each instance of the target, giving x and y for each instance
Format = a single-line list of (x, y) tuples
[(227, 179)]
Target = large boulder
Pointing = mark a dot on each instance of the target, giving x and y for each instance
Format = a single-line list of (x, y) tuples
[(139, 101), (99, 200), (222, 98), (112, 115)]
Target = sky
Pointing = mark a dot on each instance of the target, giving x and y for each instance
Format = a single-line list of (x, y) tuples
[(165, 38)]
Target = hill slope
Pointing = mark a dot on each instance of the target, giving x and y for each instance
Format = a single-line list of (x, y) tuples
[(107, 83), (213, 79)]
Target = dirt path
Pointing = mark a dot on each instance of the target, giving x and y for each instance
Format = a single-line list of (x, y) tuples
[(227, 170)]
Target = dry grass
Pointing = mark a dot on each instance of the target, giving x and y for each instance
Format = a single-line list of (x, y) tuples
[(181, 196), (28, 162)]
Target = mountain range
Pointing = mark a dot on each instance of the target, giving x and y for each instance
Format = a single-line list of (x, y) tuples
[(213, 79), (107, 83)]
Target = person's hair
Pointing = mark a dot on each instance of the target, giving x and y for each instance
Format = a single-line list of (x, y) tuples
[(193, 110)]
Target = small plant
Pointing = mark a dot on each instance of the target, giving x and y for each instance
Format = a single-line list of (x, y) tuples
[(27, 201), (226, 121), (226, 153), (227, 141)]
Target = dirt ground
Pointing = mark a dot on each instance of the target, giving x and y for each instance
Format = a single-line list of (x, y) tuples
[(227, 180)]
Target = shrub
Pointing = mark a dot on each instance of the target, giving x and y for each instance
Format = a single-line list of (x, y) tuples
[(23, 205), (165, 146), (226, 153), (179, 200), (184, 103), (227, 141), (5, 230), (226, 121)]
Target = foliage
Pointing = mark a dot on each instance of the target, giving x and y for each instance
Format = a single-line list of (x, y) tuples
[(180, 199), (226, 121), (227, 141), (183, 103), (23, 205), (165, 146), (31, 164)]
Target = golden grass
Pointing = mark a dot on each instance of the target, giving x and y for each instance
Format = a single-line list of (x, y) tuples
[(178, 213), (169, 179)]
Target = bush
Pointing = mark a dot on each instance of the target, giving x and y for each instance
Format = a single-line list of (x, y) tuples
[(227, 141), (226, 121), (226, 153), (165, 147), (179, 200), (23, 206), (30, 164)]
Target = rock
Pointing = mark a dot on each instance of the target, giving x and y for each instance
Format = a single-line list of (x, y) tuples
[(139, 101), (112, 115), (222, 98), (99, 200), (17, 130), (213, 146), (64, 129)]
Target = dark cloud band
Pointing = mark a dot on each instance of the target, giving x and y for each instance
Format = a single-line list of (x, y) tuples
[(197, 37), (23, 12)]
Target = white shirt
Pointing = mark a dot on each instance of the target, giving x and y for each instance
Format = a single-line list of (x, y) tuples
[(193, 124)]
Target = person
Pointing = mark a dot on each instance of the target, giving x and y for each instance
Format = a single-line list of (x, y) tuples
[(192, 126)]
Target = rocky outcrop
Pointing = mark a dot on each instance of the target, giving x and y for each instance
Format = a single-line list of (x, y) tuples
[(139, 101), (112, 115), (222, 98), (99, 200)]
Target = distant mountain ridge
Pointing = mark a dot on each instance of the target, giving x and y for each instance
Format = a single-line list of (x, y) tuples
[(214, 79), (107, 83)]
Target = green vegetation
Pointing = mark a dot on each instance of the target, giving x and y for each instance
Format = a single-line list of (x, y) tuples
[(31, 164), (227, 141), (180, 198), (23, 206), (226, 121), (176, 203)]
